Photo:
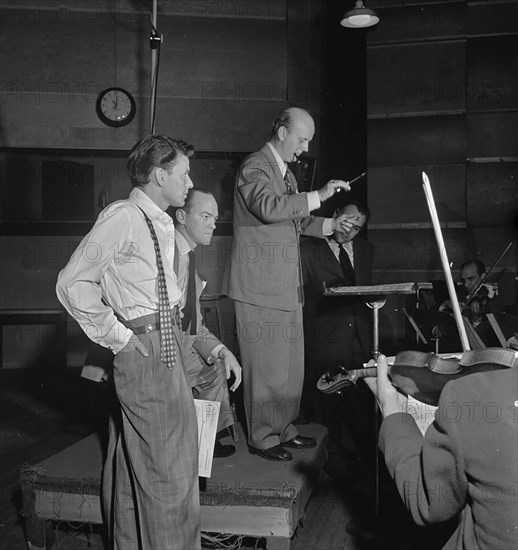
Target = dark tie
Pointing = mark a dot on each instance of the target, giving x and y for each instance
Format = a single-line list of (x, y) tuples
[(345, 262), (189, 309), (289, 186), (167, 341)]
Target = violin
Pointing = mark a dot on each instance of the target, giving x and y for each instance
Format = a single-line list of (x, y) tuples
[(423, 375)]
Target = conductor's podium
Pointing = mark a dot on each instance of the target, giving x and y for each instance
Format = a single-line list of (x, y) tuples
[(246, 495)]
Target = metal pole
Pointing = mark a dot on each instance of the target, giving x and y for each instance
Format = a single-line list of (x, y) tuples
[(154, 58)]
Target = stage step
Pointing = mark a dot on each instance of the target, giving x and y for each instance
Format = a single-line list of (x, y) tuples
[(246, 495)]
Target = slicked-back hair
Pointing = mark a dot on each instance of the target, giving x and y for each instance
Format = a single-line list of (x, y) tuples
[(188, 201), (362, 209), (480, 266), (285, 119), (154, 151)]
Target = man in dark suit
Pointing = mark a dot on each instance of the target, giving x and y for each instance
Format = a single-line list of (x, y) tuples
[(264, 280), (465, 465), (208, 362), (338, 332)]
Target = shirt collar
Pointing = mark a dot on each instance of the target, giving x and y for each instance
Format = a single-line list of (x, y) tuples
[(152, 210), (347, 245), (282, 165), (181, 243)]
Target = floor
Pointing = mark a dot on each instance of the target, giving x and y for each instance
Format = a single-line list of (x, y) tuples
[(44, 411)]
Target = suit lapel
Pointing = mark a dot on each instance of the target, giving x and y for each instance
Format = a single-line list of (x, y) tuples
[(360, 260), (274, 169), (330, 260)]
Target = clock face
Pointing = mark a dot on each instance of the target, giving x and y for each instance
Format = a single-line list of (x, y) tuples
[(116, 107)]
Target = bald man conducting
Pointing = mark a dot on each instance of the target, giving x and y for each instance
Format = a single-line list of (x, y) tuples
[(264, 280)]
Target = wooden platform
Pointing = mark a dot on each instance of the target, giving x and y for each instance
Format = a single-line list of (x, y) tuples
[(246, 495)]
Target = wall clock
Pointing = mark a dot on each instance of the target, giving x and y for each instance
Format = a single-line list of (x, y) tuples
[(116, 107)]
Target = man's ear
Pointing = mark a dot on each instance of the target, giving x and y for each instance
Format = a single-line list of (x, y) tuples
[(282, 132), (180, 215), (157, 176)]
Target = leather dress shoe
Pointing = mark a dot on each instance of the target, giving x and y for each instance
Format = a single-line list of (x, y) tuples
[(273, 453), (300, 442), (222, 451)]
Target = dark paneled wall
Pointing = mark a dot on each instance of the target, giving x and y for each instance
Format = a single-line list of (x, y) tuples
[(223, 71), (442, 97)]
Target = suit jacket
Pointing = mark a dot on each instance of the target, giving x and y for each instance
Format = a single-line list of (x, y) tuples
[(264, 267), (328, 319), (203, 341), (466, 465)]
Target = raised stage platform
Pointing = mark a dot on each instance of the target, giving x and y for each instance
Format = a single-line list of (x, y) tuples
[(246, 495)]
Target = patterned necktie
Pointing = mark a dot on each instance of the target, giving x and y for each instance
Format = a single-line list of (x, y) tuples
[(189, 310), (167, 341), (291, 190), (287, 181), (345, 262)]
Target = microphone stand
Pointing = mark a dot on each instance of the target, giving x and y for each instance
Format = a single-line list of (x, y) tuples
[(155, 40)]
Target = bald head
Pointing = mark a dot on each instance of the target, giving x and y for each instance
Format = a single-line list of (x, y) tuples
[(292, 131)]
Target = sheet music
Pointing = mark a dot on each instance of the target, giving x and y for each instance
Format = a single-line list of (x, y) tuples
[(422, 413), (207, 413), (394, 288)]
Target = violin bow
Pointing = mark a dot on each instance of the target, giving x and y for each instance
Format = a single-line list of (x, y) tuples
[(486, 274), (445, 264)]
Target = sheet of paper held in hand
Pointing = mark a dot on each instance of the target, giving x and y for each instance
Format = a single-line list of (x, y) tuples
[(422, 413), (207, 413)]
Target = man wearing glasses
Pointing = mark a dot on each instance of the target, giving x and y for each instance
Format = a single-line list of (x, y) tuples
[(337, 332)]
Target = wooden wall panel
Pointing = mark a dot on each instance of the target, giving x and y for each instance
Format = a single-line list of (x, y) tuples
[(492, 65), (229, 63), (474, 150), (416, 78), (493, 135), (229, 60), (492, 194), (415, 21), (416, 140), (62, 57), (304, 62), (492, 17), (243, 127), (400, 250), (395, 193)]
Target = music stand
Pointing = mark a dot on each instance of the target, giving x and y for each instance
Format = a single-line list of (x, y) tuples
[(375, 298)]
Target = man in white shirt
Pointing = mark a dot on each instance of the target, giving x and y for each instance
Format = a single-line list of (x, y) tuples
[(209, 363), (116, 286)]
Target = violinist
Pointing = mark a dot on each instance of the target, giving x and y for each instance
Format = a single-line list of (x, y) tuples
[(476, 300), (464, 467)]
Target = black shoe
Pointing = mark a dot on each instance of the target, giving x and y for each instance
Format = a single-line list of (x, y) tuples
[(273, 453), (223, 451), (300, 442)]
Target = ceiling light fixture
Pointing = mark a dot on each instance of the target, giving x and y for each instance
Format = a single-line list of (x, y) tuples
[(359, 17)]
